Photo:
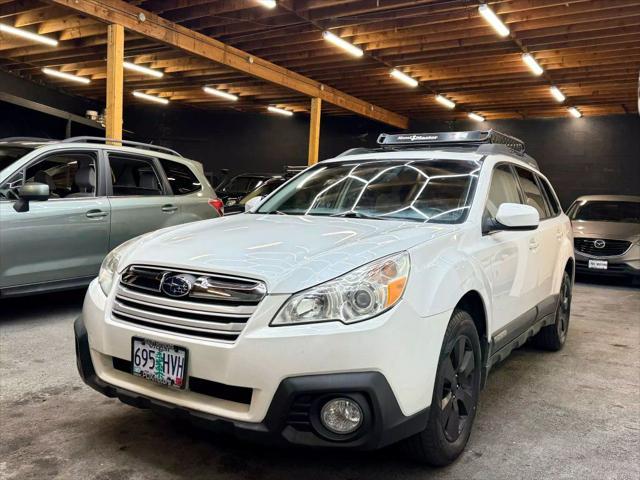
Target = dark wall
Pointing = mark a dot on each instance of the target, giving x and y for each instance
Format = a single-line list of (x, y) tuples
[(20, 121), (40, 93), (592, 155), (245, 142)]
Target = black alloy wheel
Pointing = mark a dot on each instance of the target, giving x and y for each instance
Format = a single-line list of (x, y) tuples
[(457, 398), (455, 395), (554, 336), (564, 309)]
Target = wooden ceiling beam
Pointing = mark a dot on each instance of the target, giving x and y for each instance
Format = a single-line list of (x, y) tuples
[(172, 34)]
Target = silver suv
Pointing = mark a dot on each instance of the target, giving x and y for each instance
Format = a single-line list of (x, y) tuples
[(606, 231), (65, 204)]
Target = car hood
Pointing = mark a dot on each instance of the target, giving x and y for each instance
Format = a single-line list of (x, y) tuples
[(606, 230), (288, 253)]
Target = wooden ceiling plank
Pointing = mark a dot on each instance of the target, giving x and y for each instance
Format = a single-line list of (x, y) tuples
[(162, 30)]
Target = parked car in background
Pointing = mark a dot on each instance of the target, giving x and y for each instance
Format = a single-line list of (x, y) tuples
[(234, 188), (65, 204), (606, 231), (361, 304), (234, 206)]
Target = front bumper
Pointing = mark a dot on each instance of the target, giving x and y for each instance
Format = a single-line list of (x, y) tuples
[(291, 417), (619, 266)]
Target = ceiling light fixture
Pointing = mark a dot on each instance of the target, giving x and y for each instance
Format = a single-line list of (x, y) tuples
[(220, 93), (18, 32), (343, 44), (403, 77), (66, 76), (476, 117), (151, 98), (558, 95), (281, 111), (445, 101), (144, 70), (532, 64), (575, 112), (490, 16), (268, 3)]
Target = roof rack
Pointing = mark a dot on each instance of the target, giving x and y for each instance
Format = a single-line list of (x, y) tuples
[(147, 146), (471, 138)]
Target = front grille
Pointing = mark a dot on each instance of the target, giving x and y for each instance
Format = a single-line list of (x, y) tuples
[(218, 308), (231, 393), (591, 246)]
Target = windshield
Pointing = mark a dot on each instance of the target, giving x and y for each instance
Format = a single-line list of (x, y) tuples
[(606, 211), (419, 190), (8, 154)]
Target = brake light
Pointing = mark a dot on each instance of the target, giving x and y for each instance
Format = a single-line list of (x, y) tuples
[(217, 204)]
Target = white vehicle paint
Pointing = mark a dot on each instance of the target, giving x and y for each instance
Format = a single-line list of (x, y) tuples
[(505, 270)]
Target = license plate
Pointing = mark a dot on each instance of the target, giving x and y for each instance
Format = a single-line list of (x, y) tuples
[(598, 264), (159, 362)]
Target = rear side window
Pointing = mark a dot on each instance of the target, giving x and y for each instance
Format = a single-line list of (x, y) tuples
[(534, 196), (134, 176), (552, 201), (181, 178), (504, 189)]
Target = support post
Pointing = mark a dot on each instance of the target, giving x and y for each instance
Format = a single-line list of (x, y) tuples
[(314, 130), (115, 58)]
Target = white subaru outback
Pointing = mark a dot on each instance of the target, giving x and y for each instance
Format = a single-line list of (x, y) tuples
[(360, 304)]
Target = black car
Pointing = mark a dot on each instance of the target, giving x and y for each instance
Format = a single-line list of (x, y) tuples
[(266, 185), (237, 206), (234, 188)]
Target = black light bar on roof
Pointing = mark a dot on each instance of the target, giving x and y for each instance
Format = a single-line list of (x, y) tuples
[(473, 137)]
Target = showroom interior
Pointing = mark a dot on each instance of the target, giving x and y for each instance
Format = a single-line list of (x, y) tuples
[(229, 101)]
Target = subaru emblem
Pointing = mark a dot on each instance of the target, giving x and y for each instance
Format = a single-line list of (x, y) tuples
[(178, 285)]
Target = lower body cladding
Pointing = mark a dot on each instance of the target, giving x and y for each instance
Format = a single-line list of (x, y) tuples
[(280, 384)]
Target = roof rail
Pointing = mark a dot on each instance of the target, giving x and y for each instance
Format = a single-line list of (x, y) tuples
[(147, 146), (471, 138)]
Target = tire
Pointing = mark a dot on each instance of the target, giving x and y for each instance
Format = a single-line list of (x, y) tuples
[(453, 406), (554, 336)]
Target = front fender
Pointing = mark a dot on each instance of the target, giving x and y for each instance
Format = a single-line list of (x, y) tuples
[(565, 254), (439, 282)]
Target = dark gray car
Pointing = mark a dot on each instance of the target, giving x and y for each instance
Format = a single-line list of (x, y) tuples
[(65, 204), (606, 231)]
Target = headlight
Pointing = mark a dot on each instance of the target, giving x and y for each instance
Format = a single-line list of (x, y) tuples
[(360, 294), (109, 266)]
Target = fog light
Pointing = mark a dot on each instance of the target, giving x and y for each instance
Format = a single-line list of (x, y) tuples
[(341, 416)]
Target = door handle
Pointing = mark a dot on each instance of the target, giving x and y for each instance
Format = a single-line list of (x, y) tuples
[(533, 245), (559, 234), (96, 214), (169, 208)]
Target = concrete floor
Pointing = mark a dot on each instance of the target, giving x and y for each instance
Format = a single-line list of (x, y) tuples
[(572, 414)]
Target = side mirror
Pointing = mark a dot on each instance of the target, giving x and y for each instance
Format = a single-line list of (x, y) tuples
[(33, 191), (253, 204), (515, 216)]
